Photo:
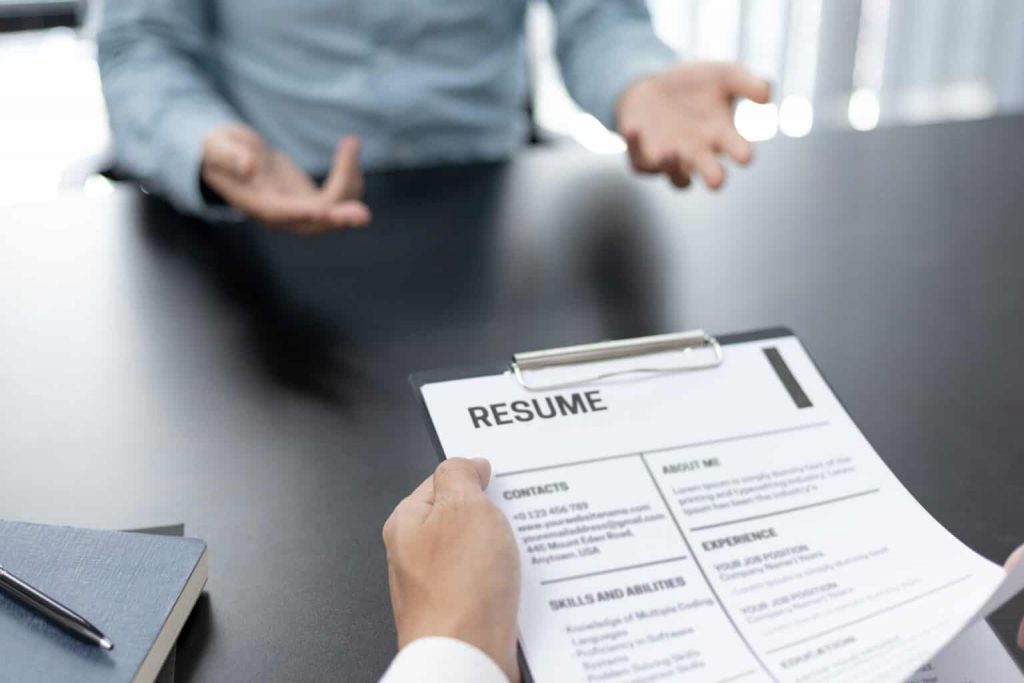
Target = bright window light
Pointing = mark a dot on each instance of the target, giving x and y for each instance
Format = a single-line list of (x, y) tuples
[(763, 38), (757, 122), (98, 186), (796, 116), (717, 30), (864, 109), (869, 64), (671, 22), (589, 132)]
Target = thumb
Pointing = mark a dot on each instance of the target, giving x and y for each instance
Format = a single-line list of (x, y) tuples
[(459, 478), (230, 154), (346, 179), (1014, 558), (1011, 563), (742, 83)]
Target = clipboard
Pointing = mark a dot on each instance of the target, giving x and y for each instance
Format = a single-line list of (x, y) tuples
[(580, 357), (583, 355), (696, 351)]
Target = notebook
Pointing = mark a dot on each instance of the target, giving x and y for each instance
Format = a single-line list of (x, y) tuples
[(166, 674), (137, 588)]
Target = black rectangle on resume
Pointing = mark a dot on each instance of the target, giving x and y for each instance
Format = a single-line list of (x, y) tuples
[(796, 392)]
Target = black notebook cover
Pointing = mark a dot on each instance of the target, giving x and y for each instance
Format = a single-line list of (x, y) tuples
[(136, 588)]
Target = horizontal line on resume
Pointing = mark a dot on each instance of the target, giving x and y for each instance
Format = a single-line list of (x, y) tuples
[(615, 570)]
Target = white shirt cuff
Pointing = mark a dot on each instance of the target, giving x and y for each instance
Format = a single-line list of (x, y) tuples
[(442, 660)]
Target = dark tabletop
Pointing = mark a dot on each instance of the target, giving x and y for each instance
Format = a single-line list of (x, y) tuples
[(253, 384)]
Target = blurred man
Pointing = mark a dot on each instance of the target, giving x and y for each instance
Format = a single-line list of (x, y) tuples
[(453, 570), (244, 101)]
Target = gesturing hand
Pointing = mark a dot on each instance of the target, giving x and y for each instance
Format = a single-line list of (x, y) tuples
[(453, 565), (679, 121), (269, 187)]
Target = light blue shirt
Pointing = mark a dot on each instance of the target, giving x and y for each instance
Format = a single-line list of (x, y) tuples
[(420, 81)]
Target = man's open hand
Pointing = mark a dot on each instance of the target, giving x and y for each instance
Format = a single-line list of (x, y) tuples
[(453, 565), (679, 121), (269, 187)]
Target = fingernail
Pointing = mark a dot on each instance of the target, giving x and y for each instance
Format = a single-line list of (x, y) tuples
[(483, 467)]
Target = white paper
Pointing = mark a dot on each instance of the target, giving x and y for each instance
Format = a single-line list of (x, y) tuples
[(975, 656), (701, 526)]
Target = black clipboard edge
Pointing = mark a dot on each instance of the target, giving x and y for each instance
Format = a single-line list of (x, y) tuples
[(418, 379)]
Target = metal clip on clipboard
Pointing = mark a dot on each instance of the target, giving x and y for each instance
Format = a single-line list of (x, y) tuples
[(684, 342)]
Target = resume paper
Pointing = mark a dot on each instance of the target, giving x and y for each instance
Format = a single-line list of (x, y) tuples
[(727, 524)]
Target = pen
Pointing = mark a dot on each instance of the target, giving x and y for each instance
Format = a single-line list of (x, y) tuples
[(52, 610)]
